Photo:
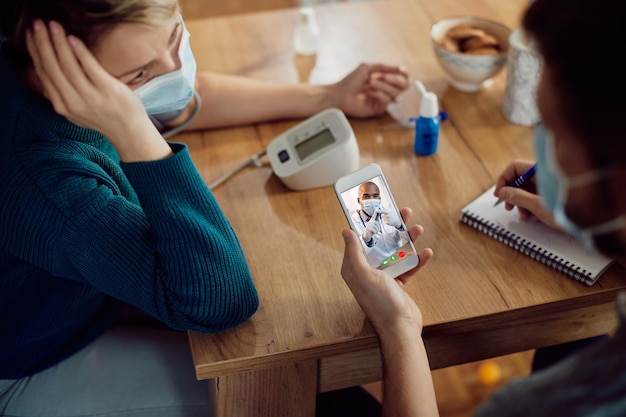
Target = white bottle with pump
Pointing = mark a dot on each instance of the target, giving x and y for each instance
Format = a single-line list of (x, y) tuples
[(427, 124), (306, 33)]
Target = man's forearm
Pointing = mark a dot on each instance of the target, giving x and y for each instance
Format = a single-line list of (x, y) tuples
[(407, 382)]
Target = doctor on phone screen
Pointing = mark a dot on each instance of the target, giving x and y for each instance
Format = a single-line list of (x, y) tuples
[(379, 227)]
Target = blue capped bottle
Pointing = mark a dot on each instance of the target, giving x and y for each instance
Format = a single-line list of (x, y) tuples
[(427, 124)]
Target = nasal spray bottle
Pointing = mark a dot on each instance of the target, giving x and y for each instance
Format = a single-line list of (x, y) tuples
[(307, 32), (427, 124)]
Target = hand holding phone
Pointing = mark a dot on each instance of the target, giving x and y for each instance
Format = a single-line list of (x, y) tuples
[(372, 213)]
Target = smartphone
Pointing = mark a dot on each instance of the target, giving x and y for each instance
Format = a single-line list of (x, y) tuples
[(372, 213)]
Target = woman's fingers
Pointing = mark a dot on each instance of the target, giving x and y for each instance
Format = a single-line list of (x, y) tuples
[(78, 87), (386, 87), (49, 89), (102, 86), (58, 87), (71, 68), (98, 76)]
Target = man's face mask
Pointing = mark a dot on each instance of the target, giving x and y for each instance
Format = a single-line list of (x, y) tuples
[(554, 187), (370, 205), (172, 91)]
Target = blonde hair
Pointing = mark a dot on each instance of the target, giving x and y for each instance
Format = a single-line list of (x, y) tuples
[(88, 20)]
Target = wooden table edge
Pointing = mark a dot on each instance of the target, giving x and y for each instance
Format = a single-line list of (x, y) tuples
[(451, 343)]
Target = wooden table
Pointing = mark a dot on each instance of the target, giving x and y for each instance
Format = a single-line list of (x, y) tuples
[(479, 298)]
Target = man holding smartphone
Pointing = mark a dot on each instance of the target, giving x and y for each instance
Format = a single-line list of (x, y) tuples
[(378, 226), (583, 171)]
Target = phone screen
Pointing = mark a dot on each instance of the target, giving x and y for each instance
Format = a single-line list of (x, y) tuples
[(376, 220)]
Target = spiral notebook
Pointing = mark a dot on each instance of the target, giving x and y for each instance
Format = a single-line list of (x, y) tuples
[(551, 247)]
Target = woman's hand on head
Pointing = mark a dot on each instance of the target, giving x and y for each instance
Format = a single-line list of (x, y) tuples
[(528, 202), (368, 89), (382, 298), (80, 89)]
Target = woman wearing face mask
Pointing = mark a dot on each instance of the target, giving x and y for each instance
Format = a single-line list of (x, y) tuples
[(581, 172), (99, 213), (159, 66)]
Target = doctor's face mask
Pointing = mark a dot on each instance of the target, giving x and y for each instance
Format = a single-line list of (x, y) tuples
[(369, 206)]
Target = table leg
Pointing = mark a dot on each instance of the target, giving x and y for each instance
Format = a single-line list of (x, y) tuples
[(212, 385), (276, 392)]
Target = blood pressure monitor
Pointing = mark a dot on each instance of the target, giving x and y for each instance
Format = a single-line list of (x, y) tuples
[(316, 152)]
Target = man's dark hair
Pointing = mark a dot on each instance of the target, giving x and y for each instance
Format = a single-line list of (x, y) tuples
[(583, 43)]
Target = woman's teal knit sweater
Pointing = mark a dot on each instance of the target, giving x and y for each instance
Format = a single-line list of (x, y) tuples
[(82, 234)]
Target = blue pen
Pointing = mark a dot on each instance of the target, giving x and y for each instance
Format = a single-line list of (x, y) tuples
[(521, 180)]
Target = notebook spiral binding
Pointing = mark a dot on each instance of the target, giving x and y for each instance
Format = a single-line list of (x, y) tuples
[(527, 248)]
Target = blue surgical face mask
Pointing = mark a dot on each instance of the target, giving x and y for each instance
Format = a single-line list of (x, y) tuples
[(554, 186), (172, 91), (370, 205)]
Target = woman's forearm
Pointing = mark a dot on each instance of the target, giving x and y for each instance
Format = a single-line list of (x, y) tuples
[(233, 101)]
